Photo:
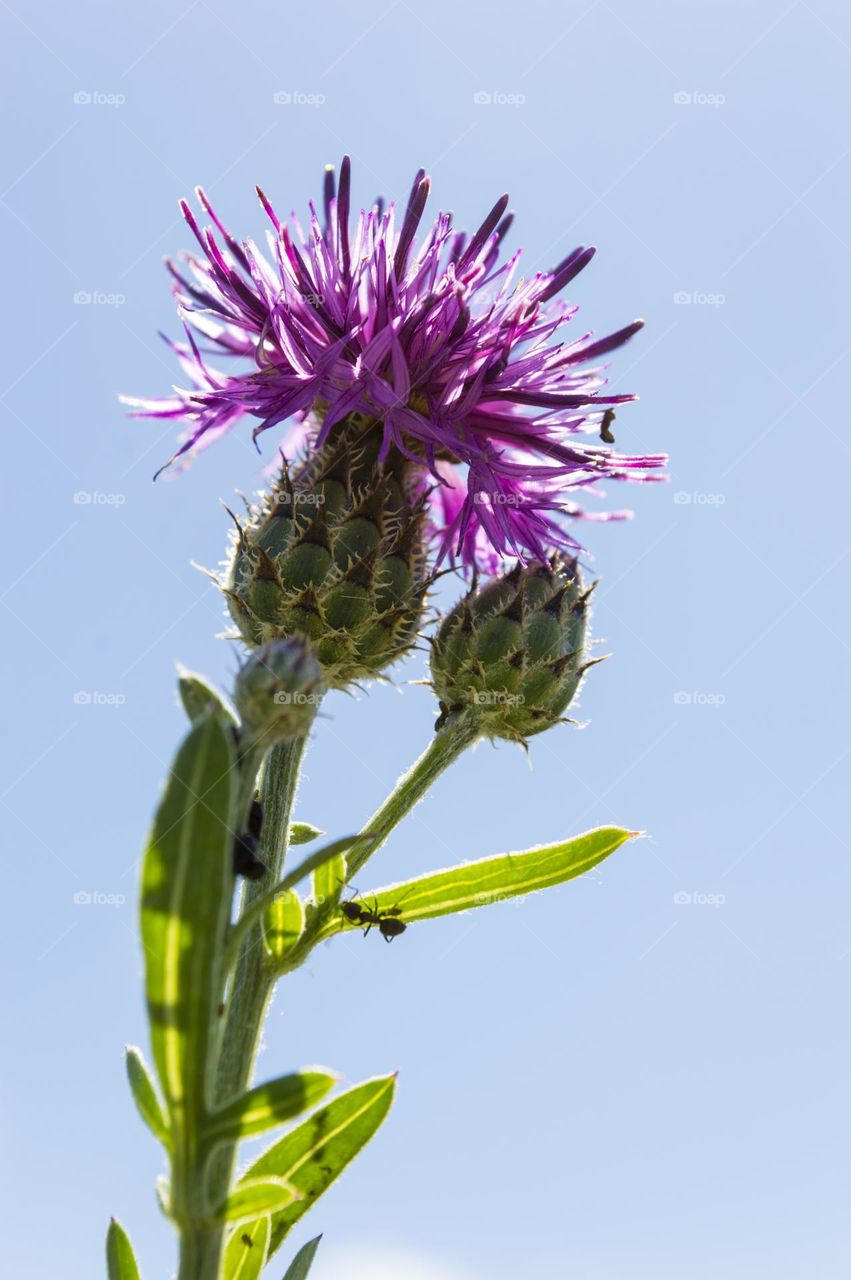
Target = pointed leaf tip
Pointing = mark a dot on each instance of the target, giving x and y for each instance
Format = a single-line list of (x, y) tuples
[(120, 1260), (301, 1263), (491, 880)]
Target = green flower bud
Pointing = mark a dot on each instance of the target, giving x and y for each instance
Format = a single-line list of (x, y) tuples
[(513, 653), (336, 554), (277, 692)]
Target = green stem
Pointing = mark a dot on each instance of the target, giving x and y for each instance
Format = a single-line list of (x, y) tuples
[(246, 1001), (253, 913), (252, 980), (200, 1255), (201, 1236), (444, 748)]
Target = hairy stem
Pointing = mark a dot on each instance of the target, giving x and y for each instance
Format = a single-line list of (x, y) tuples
[(201, 1237), (252, 981), (444, 748)]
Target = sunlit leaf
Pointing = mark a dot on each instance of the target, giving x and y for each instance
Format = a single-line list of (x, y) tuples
[(303, 833), (478, 884), (120, 1260), (328, 879), (267, 1105), (253, 1197), (199, 696), (145, 1094), (246, 1251), (315, 1153), (187, 886), (283, 922)]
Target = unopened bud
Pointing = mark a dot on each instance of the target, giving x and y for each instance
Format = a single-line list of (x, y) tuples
[(278, 691), (513, 653), (336, 554)]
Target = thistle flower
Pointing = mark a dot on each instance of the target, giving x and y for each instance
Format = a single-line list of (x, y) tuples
[(513, 654), (435, 349)]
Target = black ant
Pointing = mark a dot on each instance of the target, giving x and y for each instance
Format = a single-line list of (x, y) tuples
[(606, 427), (387, 922), (245, 860)]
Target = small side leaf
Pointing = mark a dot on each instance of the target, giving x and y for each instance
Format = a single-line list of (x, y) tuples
[(328, 863), (303, 833), (300, 1265), (187, 889), (267, 1105), (253, 1197), (120, 1260), (478, 884), (198, 696), (315, 1153), (283, 923), (162, 1191), (246, 1251), (145, 1094)]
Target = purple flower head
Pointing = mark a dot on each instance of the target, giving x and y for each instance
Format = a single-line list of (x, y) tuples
[(460, 366)]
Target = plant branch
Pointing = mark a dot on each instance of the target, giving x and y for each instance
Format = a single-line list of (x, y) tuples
[(445, 747)]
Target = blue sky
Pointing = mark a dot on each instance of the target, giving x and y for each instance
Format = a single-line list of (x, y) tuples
[(644, 1073)]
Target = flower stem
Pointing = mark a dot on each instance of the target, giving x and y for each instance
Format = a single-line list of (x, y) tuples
[(248, 995), (252, 981), (444, 748)]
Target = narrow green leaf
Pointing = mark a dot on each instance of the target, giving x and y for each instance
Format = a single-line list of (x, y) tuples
[(267, 1105), (478, 884), (283, 922), (253, 1197), (120, 1260), (187, 887), (145, 1094), (199, 696), (303, 833), (315, 1153), (328, 878), (300, 1265), (246, 1250), (329, 870), (326, 864)]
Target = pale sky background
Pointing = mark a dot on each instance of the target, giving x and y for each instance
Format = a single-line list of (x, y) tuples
[(642, 1075)]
